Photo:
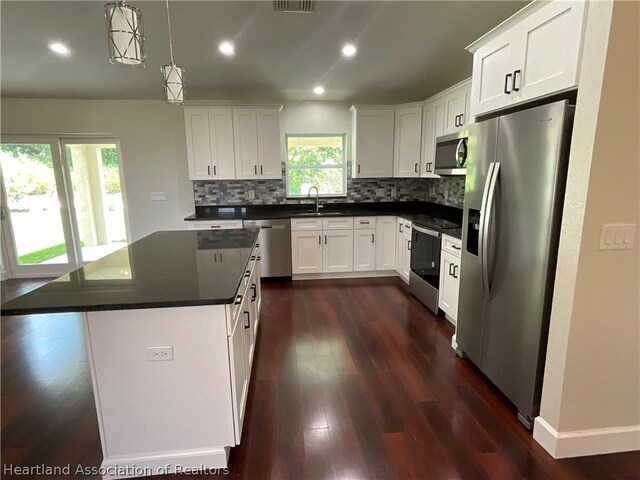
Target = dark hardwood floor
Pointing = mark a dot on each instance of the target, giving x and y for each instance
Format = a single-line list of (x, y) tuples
[(353, 379)]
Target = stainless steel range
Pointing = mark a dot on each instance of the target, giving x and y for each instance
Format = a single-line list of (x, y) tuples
[(426, 240)]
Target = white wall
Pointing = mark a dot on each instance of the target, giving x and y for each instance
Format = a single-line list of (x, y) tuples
[(153, 146), (591, 392)]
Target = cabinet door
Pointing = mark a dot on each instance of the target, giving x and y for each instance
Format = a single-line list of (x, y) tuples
[(432, 128), (455, 107), (196, 122), (551, 45), (255, 297), (223, 166), (364, 250), (374, 144), (400, 250), (408, 133), (245, 140), (337, 252), (269, 144), (406, 260), (386, 243), (449, 284), (249, 338), (239, 378), (493, 67), (306, 251)]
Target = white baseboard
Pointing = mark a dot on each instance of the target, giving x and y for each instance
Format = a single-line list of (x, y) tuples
[(585, 442), (163, 463), (338, 275), (454, 342)]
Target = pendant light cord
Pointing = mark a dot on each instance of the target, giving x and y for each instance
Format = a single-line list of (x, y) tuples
[(169, 25)]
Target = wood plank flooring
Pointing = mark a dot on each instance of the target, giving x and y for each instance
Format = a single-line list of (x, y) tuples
[(353, 379)]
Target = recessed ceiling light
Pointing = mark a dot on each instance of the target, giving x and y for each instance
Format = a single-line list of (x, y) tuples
[(59, 48), (227, 48), (349, 50), (318, 90)]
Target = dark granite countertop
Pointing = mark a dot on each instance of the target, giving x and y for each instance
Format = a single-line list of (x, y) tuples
[(444, 218), (165, 269)]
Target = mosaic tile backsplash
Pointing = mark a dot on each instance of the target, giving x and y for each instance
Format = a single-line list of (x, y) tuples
[(445, 191)]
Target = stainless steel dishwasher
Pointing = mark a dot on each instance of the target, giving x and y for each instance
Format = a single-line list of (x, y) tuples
[(275, 246)]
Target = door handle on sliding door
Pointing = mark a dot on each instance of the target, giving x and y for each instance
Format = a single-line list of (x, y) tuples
[(481, 233), (487, 228)]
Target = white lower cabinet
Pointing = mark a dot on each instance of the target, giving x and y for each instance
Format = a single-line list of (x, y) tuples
[(364, 250), (403, 249), (306, 251), (239, 376), (385, 243), (449, 277), (337, 251)]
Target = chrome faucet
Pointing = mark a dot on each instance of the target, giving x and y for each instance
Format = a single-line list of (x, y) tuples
[(317, 197)]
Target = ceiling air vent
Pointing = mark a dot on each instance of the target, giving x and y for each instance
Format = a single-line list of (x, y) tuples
[(294, 6)]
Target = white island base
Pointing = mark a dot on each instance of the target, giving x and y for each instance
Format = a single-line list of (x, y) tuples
[(160, 415)]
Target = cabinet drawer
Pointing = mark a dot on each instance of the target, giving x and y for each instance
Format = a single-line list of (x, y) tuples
[(306, 224), (339, 223), (452, 245), (218, 225), (364, 222)]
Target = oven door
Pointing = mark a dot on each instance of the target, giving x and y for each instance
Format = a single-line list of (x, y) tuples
[(425, 254)]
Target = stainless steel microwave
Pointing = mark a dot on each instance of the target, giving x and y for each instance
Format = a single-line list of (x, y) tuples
[(451, 154)]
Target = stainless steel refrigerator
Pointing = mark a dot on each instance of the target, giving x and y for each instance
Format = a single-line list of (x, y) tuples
[(514, 191)]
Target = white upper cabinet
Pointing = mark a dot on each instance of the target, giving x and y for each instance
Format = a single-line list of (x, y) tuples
[(533, 54), (456, 108), (245, 129), (432, 128), (373, 147), (269, 144), (198, 143), (408, 133), (233, 142), (223, 164)]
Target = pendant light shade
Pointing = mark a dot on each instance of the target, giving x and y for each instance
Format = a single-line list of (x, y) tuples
[(172, 74), (125, 34), (173, 81)]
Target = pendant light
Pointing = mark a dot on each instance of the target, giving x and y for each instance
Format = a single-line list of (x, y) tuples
[(125, 34), (172, 74)]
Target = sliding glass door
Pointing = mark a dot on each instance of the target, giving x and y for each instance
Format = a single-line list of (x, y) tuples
[(98, 212), (62, 203), (35, 221)]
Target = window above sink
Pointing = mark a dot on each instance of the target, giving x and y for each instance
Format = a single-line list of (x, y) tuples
[(316, 160)]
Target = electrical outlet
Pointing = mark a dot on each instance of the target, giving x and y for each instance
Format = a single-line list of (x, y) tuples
[(617, 236), (379, 192), (432, 192), (252, 194), (158, 196), (393, 192), (160, 353)]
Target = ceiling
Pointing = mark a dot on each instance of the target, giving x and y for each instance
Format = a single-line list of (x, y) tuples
[(407, 51)]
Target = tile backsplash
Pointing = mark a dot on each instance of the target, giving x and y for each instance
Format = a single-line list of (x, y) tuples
[(445, 191)]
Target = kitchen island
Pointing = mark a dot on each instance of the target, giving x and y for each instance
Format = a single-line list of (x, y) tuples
[(170, 328)]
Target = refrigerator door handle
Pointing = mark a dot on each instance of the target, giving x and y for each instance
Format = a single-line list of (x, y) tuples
[(487, 227), (481, 233)]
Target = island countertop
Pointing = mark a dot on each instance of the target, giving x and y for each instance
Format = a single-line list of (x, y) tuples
[(164, 269)]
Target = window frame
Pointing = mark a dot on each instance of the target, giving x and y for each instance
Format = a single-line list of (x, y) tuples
[(320, 167)]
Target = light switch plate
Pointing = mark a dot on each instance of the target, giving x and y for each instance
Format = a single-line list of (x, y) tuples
[(158, 196), (617, 236), (160, 353), (252, 194)]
